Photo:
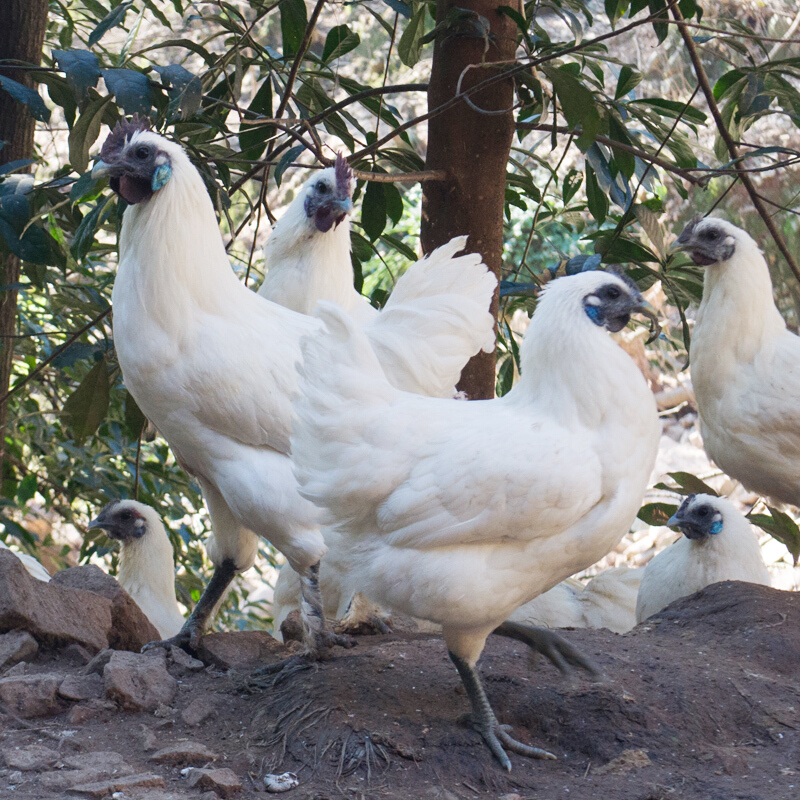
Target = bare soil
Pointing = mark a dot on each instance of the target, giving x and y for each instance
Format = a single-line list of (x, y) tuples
[(700, 703)]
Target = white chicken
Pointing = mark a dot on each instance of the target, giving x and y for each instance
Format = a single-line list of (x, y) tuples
[(718, 545), (745, 364), (146, 561), (33, 565), (458, 513), (211, 364)]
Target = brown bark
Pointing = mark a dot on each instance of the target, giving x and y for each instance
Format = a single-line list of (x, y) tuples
[(22, 29), (473, 149)]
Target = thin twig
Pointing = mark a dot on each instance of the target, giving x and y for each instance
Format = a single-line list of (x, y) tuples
[(747, 181)]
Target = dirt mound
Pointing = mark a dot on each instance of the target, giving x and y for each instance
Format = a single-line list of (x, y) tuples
[(701, 702)]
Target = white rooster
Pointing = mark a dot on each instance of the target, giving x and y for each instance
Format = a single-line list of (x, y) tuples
[(211, 363), (458, 513), (31, 564), (718, 545), (745, 363), (146, 561)]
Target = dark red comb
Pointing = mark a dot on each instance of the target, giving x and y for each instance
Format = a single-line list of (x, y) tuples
[(123, 131), (344, 177)]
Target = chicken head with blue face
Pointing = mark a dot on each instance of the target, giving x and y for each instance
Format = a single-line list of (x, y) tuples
[(708, 241), (697, 518), (136, 167), (611, 304), (328, 197)]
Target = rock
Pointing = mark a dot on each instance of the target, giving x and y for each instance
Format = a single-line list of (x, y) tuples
[(15, 778), (184, 753), (243, 650), (102, 788), (225, 782), (182, 659), (17, 669), (33, 757), (109, 760), (54, 615), (15, 647), (31, 695), (138, 682), (77, 654), (93, 709), (149, 739), (81, 687), (200, 709), (98, 663), (87, 768), (131, 629), (292, 627), (626, 761)]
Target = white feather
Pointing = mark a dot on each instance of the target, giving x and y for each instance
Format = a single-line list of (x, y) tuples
[(34, 567)]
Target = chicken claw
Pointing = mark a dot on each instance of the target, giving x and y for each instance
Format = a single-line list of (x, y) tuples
[(554, 647), (364, 618)]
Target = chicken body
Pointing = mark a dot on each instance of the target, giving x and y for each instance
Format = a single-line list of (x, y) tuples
[(212, 365), (458, 513), (146, 561), (718, 545), (33, 565), (745, 364)]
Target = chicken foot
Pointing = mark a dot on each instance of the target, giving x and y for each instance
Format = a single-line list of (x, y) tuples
[(188, 637), (485, 722), (554, 647), (364, 618)]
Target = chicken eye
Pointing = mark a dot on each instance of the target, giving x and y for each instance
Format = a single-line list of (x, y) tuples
[(125, 515), (322, 188), (702, 511), (712, 234), (142, 153), (613, 293)]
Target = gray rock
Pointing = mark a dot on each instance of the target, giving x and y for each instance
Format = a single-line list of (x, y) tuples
[(102, 788), (81, 687), (225, 782), (130, 628), (31, 695), (54, 615), (243, 650), (33, 757), (200, 709), (92, 709), (182, 659), (182, 753), (15, 647), (138, 682)]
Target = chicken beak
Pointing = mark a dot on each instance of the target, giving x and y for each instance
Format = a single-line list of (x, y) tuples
[(100, 170), (674, 521), (646, 310), (679, 247)]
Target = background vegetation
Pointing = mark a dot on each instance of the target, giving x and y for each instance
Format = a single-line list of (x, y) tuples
[(615, 145)]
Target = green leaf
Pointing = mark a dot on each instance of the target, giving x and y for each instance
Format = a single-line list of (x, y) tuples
[(131, 88), (687, 484), (253, 137), (628, 79), (135, 420), (340, 40), (595, 197), (86, 407), (673, 109), (84, 133), (373, 210), (115, 17), (394, 202), (84, 235), (409, 46), (400, 7), (661, 28), (29, 97), (656, 513), (577, 104), (294, 20), (725, 82), (26, 489), (615, 9), (781, 527), (286, 159), (82, 69), (186, 90)]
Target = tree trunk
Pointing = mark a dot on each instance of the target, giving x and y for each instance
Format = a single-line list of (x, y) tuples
[(22, 29), (473, 148)]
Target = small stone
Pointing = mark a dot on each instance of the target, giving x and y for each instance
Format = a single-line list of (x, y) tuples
[(184, 753), (149, 739), (182, 659), (107, 760), (510, 796), (88, 768), (31, 695), (15, 647), (121, 784), (138, 682), (93, 709), (276, 784), (33, 757), (98, 663), (18, 669), (77, 654), (200, 709), (163, 711), (242, 650), (81, 687), (225, 782), (15, 778), (626, 761)]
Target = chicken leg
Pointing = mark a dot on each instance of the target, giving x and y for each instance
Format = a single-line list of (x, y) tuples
[(317, 638), (188, 638)]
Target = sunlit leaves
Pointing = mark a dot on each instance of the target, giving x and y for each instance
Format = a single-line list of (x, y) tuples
[(410, 45)]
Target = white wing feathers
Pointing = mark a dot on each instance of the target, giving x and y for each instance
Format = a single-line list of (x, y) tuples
[(436, 319)]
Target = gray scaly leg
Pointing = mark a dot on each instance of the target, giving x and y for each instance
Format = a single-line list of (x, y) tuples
[(485, 722)]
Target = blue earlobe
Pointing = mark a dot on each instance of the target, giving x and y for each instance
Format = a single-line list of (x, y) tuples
[(716, 527), (593, 312), (160, 177)]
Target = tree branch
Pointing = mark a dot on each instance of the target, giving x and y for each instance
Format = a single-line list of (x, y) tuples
[(747, 181)]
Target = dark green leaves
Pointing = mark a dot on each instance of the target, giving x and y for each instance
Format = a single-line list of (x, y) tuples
[(30, 97), (82, 70), (131, 88), (628, 79), (84, 133), (135, 420), (577, 103), (86, 407), (186, 90), (373, 210), (111, 20), (286, 159), (340, 40), (595, 197), (410, 45), (781, 527), (656, 513), (687, 484), (294, 21)]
